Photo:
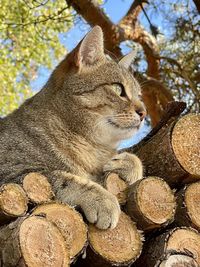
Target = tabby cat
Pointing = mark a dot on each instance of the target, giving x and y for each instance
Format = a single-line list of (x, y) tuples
[(71, 129)]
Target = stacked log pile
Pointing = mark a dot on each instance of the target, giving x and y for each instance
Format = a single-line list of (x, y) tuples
[(159, 225)]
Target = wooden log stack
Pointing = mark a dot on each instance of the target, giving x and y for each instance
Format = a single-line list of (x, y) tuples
[(159, 225)]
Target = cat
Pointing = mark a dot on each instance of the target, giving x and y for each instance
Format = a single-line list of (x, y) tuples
[(71, 129)]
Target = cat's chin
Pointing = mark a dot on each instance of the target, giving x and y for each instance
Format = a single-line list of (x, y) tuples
[(120, 134), (128, 133)]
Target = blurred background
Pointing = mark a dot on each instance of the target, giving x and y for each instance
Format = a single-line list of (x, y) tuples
[(36, 34)]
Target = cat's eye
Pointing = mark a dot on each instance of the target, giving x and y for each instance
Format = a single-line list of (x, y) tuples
[(118, 88)]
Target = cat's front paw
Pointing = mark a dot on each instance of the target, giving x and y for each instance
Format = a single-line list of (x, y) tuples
[(101, 208), (127, 166)]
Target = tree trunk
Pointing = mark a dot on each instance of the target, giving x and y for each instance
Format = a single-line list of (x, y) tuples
[(13, 202), (173, 152), (37, 188), (151, 203), (70, 224), (188, 209), (119, 246), (177, 240), (32, 242)]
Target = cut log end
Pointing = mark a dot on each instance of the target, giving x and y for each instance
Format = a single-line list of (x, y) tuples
[(13, 200), (121, 245), (192, 200), (70, 224), (185, 143), (42, 243), (37, 187), (115, 185), (156, 200), (151, 203), (185, 239), (178, 261), (178, 241)]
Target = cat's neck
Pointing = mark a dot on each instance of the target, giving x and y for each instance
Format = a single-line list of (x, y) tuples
[(83, 153), (84, 157), (92, 157)]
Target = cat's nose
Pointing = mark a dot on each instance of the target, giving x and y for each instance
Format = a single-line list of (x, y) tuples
[(142, 113)]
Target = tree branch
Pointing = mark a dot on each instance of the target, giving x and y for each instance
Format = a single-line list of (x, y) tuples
[(133, 12), (156, 96), (94, 15), (182, 73), (127, 29)]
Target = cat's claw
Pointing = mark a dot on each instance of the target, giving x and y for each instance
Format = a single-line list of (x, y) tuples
[(127, 166)]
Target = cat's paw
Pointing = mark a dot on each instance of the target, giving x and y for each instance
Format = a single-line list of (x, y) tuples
[(101, 208), (127, 166)]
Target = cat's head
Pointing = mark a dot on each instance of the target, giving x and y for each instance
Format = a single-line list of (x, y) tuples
[(95, 92)]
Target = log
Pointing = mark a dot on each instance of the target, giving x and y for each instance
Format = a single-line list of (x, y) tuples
[(70, 224), (173, 152), (115, 185), (120, 246), (13, 202), (32, 242), (178, 240), (188, 208), (37, 188), (151, 203), (176, 260)]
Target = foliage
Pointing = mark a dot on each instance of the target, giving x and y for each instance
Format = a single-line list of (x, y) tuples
[(179, 42), (29, 38)]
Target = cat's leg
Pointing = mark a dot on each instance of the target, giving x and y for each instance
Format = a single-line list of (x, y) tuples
[(99, 206), (127, 166)]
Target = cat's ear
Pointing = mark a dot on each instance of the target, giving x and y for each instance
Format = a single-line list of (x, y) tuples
[(91, 49), (128, 59)]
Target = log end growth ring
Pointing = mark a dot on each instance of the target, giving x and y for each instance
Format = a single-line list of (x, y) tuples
[(186, 143), (156, 200), (120, 245), (42, 243)]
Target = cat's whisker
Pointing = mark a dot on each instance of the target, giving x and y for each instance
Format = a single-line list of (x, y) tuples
[(122, 117)]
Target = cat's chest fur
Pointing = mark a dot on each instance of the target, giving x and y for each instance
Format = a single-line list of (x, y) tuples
[(84, 159)]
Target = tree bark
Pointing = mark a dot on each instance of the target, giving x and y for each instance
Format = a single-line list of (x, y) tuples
[(13, 202), (176, 154), (32, 242), (70, 224), (151, 203)]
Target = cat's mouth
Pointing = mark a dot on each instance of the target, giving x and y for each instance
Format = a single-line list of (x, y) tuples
[(129, 127)]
